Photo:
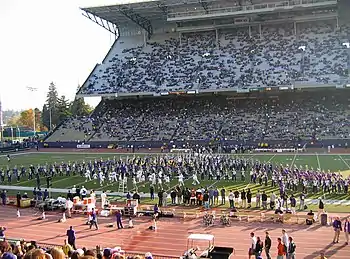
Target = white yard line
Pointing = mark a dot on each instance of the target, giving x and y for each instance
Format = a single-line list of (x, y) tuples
[(293, 161), (17, 154), (213, 184), (268, 161), (65, 178), (342, 159), (79, 184), (318, 161), (173, 187)]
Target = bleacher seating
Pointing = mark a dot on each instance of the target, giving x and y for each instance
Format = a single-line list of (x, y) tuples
[(274, 57), (288, 116)]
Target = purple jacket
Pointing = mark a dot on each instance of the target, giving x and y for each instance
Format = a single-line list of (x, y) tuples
[(337, 224), (347, 226)]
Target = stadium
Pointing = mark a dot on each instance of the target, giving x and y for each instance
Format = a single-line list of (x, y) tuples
[(200, 100)]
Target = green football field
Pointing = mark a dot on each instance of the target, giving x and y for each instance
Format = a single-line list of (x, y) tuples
[(326, 162)]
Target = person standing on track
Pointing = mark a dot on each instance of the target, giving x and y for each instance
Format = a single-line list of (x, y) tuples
[(93, 220), (281, 252), (347, 230), (291, 249), (267, 245), (3, 197), (103, 199), (337, 228), (118, 216), (285, 241), (71, 237)]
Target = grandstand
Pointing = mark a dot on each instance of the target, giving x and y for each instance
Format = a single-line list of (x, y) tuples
[(241, 72)]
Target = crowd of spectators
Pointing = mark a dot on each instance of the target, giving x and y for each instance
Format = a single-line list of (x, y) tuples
[(266, 56), (238, 58), (30, 250), (287, 116)]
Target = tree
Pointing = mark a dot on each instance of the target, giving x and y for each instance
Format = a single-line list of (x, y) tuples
[(45, 117), (80, 108), (51, 106), (9, 116), (27, 118), (13, 120), (63, 109), (38, 121), (57, 109)]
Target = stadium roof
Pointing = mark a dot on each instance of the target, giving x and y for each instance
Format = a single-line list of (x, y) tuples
[(112, 14)]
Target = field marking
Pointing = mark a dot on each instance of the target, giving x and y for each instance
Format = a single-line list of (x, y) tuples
[(318, 161), (293, 161), (17, 154), (342, 159), (63, 153), (65, 178), (268, 161), (80, 184)]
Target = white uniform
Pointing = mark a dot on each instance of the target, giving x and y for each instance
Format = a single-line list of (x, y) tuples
[(160, 183), (167, 180), (103, 199), (195, 179), (87, 175), (181, 180), (101, 178), (114, 177), (154, 179)]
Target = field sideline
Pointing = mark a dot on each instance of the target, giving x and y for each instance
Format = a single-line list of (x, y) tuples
[(332, 162)]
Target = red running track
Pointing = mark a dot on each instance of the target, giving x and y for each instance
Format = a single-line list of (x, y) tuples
[(170, 238)]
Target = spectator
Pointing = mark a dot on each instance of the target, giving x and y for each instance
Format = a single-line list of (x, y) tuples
[(66, 248), (347, 230), (267, 245), (71, 237), (291, 248), (280, 249), (337, 228)]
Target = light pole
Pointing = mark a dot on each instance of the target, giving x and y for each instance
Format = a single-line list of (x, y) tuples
[(50, 112), (11, 133), (32, 89), (19, 132)]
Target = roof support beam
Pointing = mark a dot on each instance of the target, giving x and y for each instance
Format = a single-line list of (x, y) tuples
[(204, 5), (111, 27), (138, 19)]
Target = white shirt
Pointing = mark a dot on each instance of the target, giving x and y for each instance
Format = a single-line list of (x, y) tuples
[(103, 196), (285, 240), (253, 243), (231, 196)]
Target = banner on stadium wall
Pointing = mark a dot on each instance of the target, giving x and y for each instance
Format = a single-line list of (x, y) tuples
[(83, 146)]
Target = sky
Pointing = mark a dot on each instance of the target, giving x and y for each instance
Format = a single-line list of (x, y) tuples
[(45, 41)]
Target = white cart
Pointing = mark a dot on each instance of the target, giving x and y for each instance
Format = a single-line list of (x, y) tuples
[(200, 238)]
